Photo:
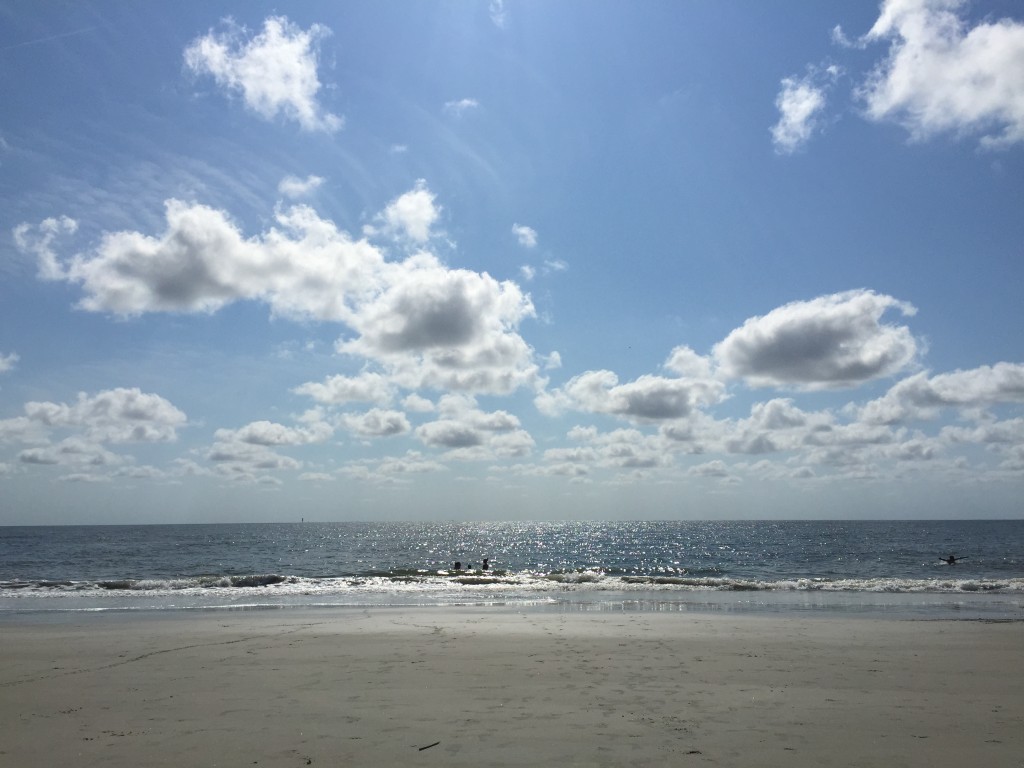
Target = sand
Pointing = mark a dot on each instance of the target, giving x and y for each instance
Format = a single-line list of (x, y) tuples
[(499, 687)]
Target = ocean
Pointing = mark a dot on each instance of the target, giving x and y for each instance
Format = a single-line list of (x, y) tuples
[(866, 568)]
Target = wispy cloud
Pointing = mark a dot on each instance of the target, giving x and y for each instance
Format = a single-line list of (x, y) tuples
[(7, 361), (460, 106), (527, 236)]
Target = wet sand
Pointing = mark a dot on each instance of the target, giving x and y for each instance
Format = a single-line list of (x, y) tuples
[(498, 687)]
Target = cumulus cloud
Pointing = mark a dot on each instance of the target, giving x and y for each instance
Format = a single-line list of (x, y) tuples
[(268, 433), (467, 433), (829, 342), (72, 451), (410, 215), (447, 329), (527, 236), (800, 103), (7, 361), (275, 71), (246, 462), (923, 397), (116, 415), (293, 186), (427, 325), (337, 390), (377, 422), (943, 75), (647, 399)]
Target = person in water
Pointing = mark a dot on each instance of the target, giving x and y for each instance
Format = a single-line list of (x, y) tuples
[(486, 564), (951, 560)]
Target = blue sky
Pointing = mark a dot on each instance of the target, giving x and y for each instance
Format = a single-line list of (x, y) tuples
[(500, 260)]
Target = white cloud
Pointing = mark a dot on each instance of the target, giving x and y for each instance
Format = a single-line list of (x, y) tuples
[(647, 399), (460, 106), (447, 329), (245, 461), (922, 397), (469, 434), (427, 325), (527, 236), (829, 342), (715, 468), (377, 423), (410, 215), (7, 361), (527, 272), (275, 70), (942, 75), (620, 449), (39, 242), (293, 186), (116, 415), (72, 451), (337, 390), (417, 404), (269, 433), (686, 362), (800, 102)]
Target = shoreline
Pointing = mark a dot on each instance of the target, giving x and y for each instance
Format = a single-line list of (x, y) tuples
[(846, 604), (465, 686)]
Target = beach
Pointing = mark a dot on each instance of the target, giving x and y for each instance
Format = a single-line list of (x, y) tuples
[(476, 686)]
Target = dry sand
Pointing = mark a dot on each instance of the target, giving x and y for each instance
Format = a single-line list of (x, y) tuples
[(495, 687)]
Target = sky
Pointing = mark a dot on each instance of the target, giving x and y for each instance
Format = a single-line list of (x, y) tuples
[(520, 259)]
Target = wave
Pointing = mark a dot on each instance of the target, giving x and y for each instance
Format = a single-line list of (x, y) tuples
[(470, 583)]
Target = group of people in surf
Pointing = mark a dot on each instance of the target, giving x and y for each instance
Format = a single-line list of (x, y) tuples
[(486, 566)]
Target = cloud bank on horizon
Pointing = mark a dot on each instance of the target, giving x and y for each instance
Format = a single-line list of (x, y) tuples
[(413, 379)]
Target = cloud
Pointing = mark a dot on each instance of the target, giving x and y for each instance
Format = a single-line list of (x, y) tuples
[(275, 71), (427, 325), (620, 449), (922, 397), (527, 236), (114, 415), (467, 433), (447, 329), (293, 186), (268, 433), (245, 462), (800, 103), (410, 215), (942, 75), (377, 423), (459, 107), (499, 16), (337, 390), (647, 399), (72, 451), (829, 342), (39, 242), (715, 468), (7, 361)]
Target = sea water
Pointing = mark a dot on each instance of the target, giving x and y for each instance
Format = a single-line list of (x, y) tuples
[(858, 568)]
